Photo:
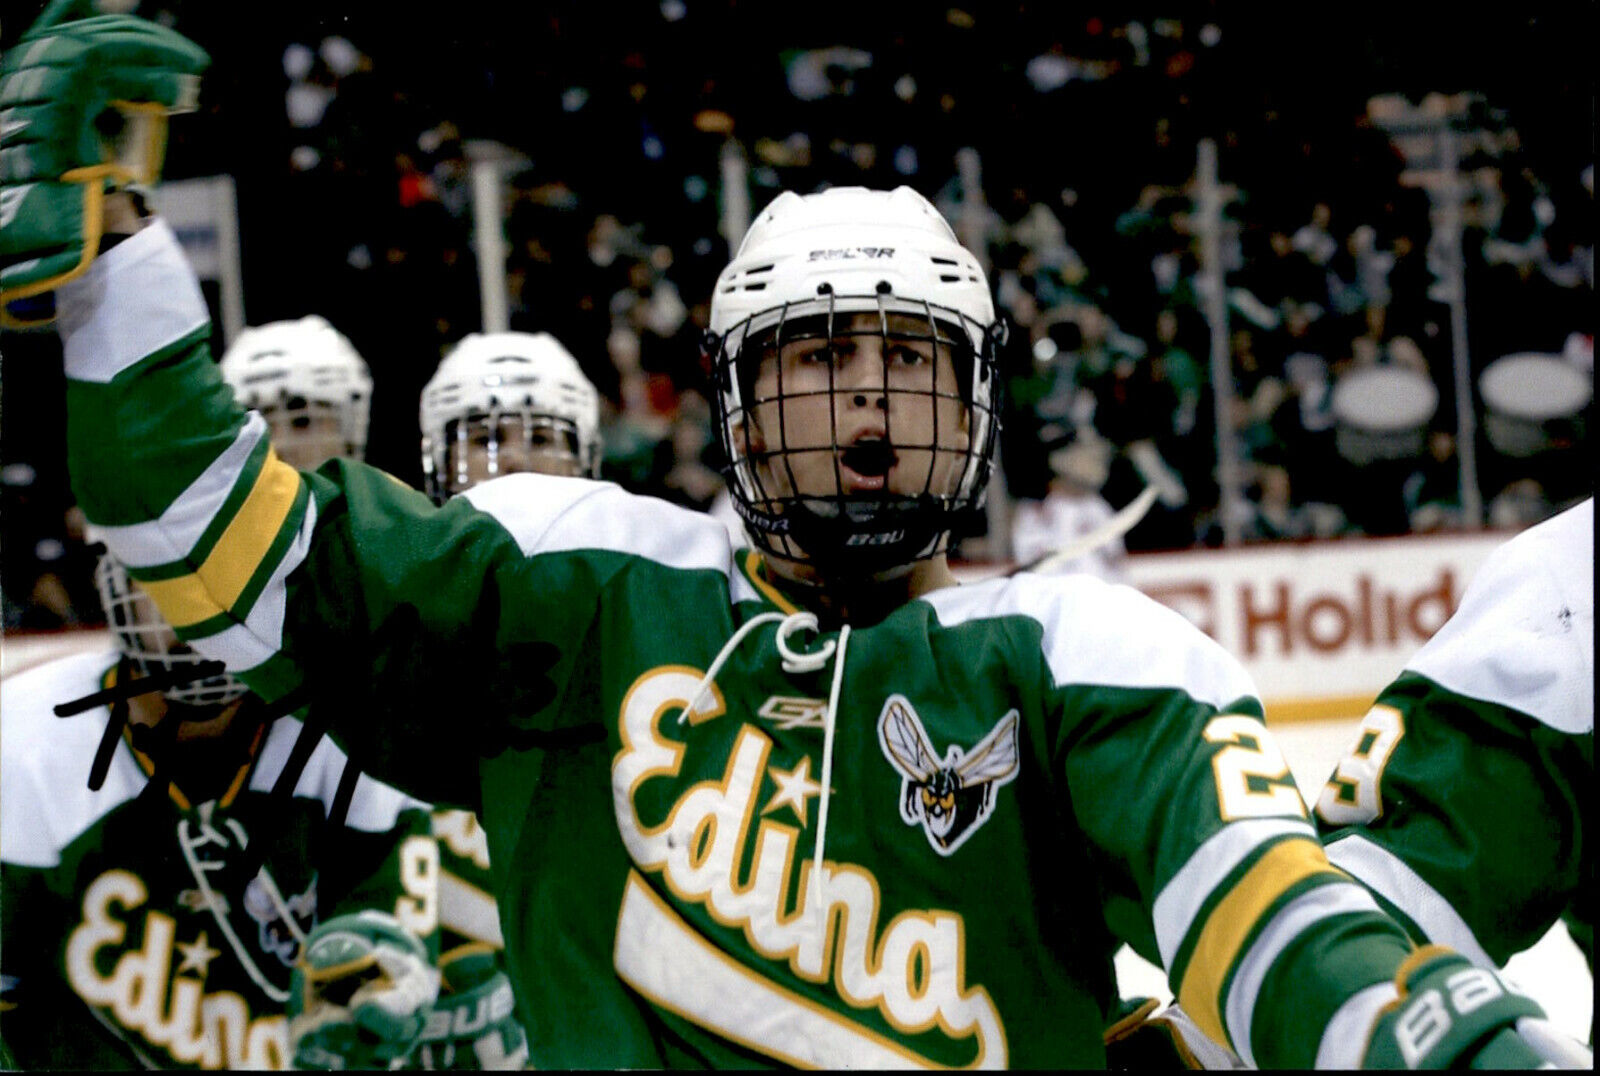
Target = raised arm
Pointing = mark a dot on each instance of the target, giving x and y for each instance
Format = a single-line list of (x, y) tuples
[(343, 586), (345, 582)]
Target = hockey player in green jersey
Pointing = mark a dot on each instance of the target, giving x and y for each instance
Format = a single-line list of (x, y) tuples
[(311, 388), (801, 804), (1463, 800), (87, 859), (136, 930)]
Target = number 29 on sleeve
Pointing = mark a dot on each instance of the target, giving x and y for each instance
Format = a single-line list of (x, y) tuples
[(1253, 780)]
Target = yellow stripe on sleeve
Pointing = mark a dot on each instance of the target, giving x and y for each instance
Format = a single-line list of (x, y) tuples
[(1232, 920), (201, 595)]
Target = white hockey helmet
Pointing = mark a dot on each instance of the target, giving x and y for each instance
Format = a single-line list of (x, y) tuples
[(805, 261), (490, 378), (148, 642), (301, 367)]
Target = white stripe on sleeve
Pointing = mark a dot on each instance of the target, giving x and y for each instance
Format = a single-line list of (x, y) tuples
[(1345, 1039), (135, 299), (1405, 889), (172, 536)]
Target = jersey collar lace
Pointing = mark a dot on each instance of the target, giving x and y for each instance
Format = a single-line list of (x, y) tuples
[(794, 662)]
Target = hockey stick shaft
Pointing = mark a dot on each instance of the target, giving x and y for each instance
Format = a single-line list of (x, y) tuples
[(1109, 531)]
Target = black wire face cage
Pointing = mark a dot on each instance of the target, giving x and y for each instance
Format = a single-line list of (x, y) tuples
[(857, 456), (488, 444), (150, 645)]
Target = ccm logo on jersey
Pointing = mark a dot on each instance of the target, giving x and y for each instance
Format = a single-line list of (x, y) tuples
[(953, 797), (789, 712)]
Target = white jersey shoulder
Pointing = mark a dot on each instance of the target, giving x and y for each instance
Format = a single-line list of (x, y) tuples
[(45, 800), (1523, 636), (550, 514), (1100, 633)]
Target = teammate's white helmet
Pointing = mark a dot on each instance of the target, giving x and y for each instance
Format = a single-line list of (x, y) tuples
[(295, 372), (148, 643), (514, 394), (807, 260)]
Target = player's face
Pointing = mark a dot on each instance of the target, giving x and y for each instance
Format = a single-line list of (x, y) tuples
[(863, 413), (512, 444), (305, 434)]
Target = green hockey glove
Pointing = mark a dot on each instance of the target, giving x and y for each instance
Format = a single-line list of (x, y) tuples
[(473, 1025), (359, 994), (83, 109), (1453, 1014)]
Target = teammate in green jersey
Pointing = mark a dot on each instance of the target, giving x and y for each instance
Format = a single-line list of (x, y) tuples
[(1462, 801), (163, 945), (808, 804)]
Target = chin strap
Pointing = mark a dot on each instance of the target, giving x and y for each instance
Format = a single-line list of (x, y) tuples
[(859, 538)]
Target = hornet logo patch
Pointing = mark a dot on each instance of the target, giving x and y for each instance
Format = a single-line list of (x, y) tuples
[(952, 797)]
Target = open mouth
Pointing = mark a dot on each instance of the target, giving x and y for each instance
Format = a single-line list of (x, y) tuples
[(866, 464)]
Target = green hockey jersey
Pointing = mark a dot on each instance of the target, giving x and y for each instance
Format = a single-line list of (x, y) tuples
[(1463, 800), (717, 835), (125, 939)]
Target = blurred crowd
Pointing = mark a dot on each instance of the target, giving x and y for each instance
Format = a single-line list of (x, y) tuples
[(1062, 148)]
